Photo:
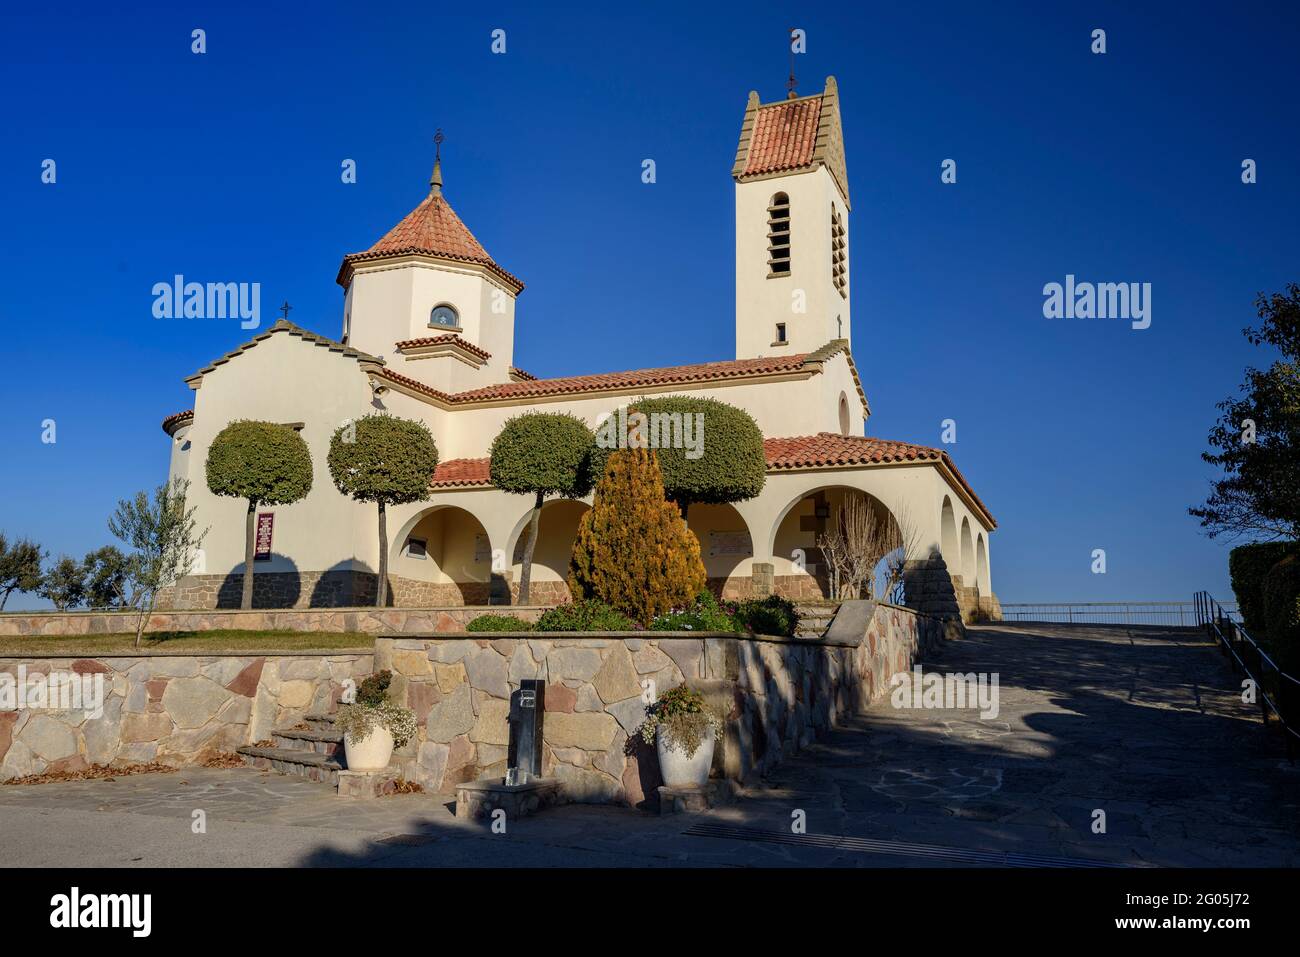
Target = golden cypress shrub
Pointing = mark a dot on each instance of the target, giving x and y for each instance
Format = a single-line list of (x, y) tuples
[(634, 551)]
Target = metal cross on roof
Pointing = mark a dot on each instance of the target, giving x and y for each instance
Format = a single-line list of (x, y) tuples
[(284, 310)]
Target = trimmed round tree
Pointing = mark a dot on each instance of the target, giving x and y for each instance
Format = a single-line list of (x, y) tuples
[(387, 460), (709, 452), (264, 464), (634, 551), (541, 454)]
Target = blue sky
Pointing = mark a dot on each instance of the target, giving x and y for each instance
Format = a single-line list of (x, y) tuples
[(1079, 434)]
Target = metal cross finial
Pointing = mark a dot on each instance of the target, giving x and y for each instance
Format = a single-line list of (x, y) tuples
[(284, 310), (435, 181), (790, 83)]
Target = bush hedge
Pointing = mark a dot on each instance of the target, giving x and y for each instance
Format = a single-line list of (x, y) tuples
[(772, 615), (1247, 567), (499, 623), (1282, 612), (585, 615)]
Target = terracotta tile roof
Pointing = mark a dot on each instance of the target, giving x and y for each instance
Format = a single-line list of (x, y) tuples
[(791, 136), (784, 136), (519, 373), (636, 378), (176, 420), (283, 325), (731, 369), (829, 450), (825, 450), (450, 337), (433, 229), (462, 472)]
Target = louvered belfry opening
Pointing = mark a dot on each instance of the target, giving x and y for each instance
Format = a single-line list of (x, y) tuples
[(778, 236), (839, 263)]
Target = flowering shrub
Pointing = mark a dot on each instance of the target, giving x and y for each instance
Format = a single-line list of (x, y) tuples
[(683, 718), (703, 614), (373, 709)]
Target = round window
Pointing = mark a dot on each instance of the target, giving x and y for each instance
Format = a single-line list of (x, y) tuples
[(444, 315)]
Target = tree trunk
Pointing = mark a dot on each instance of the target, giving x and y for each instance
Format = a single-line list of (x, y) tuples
[(525, 580), (145, 611), (381, 590), (246, 600)]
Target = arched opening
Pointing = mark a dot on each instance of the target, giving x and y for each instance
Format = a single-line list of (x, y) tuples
[(557, 529), (982, 581), (967, 555), (778, 236), (839, 542), (444, 557), (948, 538), (725, 546), (844, 414)]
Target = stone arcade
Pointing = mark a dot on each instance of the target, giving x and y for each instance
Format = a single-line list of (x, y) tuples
[(428, 333)]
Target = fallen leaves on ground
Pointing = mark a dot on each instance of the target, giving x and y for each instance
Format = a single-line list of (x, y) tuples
[(101, 772)]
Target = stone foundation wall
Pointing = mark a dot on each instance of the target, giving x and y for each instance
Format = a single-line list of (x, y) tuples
[(370, 621), (777, 694), (173, 709)]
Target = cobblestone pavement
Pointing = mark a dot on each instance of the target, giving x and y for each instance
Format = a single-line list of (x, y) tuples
[(1142, 724)]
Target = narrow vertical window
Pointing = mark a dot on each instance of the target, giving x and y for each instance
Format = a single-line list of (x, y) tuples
[(839, 263), (780, 334), (778, 236)]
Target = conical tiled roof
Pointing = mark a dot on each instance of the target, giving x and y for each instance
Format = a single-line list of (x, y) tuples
[(431, 229)]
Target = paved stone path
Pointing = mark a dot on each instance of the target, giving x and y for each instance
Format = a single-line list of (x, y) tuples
[(1143, 724)]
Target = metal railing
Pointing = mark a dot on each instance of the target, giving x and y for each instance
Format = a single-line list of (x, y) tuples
[(1176, 614), (1276, 692)]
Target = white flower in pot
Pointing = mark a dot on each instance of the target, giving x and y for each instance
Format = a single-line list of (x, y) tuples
[(683, 730), (372, 725)]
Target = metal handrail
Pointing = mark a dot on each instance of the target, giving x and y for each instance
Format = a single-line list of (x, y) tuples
[(1230, 635), (1181, 614)]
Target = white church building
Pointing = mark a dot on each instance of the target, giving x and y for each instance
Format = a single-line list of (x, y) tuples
[(428, 333)]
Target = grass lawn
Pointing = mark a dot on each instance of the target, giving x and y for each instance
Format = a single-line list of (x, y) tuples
[(198, 642)]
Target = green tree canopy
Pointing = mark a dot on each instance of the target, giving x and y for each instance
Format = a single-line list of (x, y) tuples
[(108, 578), (20, 567), (387, 460), (541, 454), (263, 463), (65, 583), (709, 452), (1256, 441)]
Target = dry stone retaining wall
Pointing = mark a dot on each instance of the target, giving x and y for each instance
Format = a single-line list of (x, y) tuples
[(370, 621), (174, 709), (777, 694)]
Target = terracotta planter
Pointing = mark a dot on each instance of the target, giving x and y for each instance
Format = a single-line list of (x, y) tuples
[(678, 770), (371, 753)]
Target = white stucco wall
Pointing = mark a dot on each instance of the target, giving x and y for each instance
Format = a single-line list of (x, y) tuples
[(763, 301)]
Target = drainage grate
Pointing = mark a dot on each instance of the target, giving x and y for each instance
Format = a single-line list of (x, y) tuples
[(933, 852)]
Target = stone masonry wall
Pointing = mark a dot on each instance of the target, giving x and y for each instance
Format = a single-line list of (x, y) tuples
[(369, 621), (777, 694), (173, 709)]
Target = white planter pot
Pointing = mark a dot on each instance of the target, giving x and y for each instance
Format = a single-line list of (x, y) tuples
[(678, 770), (371, 753)]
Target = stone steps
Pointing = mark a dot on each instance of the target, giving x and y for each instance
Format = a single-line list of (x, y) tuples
[(814, 619), (313, 749), (328, 743), (311, 765)]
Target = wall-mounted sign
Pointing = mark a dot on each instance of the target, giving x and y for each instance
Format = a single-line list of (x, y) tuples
[(729, 543), (262, 537), (482, 549)]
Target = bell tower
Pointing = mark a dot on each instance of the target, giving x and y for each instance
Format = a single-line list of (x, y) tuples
[(792, 226)]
